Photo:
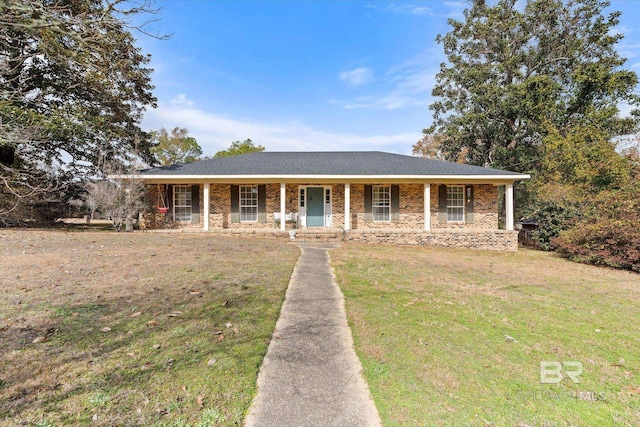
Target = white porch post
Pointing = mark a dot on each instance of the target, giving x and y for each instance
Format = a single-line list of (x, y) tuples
[(508, 194), (206, 203), (347, 206), (427, 206), (283, 214)]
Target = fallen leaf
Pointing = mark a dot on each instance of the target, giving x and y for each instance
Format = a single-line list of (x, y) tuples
[(184, 388), (229, 324), (156, 346), (38, 340), (194, 292), (220, 337), (217, 333), (235, 330), (632, 390), (152, 323), (200, 400), (106, 329), (211, 362), (136, 314)]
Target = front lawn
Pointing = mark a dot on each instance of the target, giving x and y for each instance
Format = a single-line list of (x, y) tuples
[(456, 337), (119, 329)]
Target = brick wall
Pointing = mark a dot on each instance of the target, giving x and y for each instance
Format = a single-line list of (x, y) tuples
[(499, 240), (485, 206), (151, 218), (485, 209)]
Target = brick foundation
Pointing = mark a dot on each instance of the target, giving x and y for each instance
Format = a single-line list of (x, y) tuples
[(498, 240)]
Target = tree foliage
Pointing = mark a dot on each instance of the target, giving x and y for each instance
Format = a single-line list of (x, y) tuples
[(245, 147), (73, 88), (428, 146), (515, 75), (175, 147), (585, 157)]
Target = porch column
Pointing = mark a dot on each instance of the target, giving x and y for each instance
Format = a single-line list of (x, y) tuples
[(427, 206), (283, 206), (347, 206), (508, 195), (206, 203)]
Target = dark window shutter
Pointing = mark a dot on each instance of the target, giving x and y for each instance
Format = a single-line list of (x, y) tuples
[(368, 203), (195, 204), (468, 204), (235, 204), (442, 204), (169, 196), (262, 203), (395, 203)]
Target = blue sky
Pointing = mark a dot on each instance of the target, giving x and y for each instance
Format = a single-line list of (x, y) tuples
[(307, 75)]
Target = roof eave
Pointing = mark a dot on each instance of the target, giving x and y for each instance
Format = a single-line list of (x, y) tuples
[(326, 178)]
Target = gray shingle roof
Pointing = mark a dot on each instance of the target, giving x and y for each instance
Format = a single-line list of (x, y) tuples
[(367, 163)]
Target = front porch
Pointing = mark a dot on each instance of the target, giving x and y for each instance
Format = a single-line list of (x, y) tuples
[(322, 206)]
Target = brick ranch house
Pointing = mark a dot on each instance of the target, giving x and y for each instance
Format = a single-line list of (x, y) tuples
[(350, 196)]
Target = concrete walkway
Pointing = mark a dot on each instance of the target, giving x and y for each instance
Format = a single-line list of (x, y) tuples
[(311, 374)]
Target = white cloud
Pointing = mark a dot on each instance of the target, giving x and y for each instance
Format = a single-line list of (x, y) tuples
[(181, 99), (410, 84), (215, 132), (456, 9), (357, 76), (403, 9), (628, 50)]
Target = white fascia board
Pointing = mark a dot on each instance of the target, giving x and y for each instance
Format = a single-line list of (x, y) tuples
[(506, 178)]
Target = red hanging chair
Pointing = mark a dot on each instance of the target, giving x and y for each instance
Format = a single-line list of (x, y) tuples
[(162, 206)]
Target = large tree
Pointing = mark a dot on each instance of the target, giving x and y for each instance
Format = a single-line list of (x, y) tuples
[(245, 147), (175, 147), (73, 89), (515, 75)]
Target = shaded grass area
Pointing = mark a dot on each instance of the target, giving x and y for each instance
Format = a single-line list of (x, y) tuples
[(456, 337), (137, 329)]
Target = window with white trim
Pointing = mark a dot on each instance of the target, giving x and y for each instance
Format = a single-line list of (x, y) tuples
[(381, 202), (455, 203), (182, 203), (248, 203)]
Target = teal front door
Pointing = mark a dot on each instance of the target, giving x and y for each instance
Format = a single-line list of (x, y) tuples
[(315, 207)]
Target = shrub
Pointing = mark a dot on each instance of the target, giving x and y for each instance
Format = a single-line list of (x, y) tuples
[(608, 235)]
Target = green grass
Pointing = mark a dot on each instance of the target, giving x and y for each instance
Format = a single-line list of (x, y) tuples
[(430, 327), (190, 318)]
